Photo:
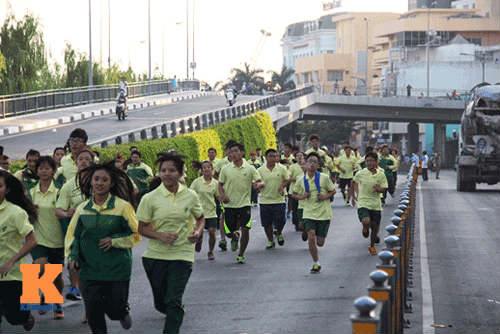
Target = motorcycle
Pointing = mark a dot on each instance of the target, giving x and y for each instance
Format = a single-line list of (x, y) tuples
[(120, 108), (230, 97)]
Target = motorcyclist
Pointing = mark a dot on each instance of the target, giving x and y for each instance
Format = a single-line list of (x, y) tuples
[(123, 90), (122, 98)]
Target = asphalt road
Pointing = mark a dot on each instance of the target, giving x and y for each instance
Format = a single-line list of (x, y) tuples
[(46, 140)]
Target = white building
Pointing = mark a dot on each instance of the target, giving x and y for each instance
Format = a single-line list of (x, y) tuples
[(463, 4)]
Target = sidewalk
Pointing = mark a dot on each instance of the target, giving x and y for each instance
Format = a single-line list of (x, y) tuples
[(45, 119)]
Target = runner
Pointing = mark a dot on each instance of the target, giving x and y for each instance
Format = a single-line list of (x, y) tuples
[(172, 218), (387, 163), (256, 164), (287, 153), (397, 160), (368, 184), (77, 142), (28, 175), (100, 235), (314, 140), (59, 153), (315, 190), (17, 214), (346, 165), (359, 159), (207, 189), (260, 158), (48, 231), (4, 162), (300, 203), (70, 197), (235, 185), (212, 156), (140, 173), (295, 172), (273, 200)]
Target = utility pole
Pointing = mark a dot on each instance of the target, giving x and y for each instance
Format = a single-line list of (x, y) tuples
[(187, 39), (90, 44), (109, 33), (193, 63), (427, 45), (149, 40), (366, 58)]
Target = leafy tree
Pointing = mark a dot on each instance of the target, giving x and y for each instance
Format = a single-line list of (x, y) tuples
[(23, 48), (2, 66), (283, 78), (249, 76)]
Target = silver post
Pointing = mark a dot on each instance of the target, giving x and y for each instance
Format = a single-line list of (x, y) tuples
[(149, 40), (427, 47), (187, 39), (109, 33), (366, 60), (90, 44)]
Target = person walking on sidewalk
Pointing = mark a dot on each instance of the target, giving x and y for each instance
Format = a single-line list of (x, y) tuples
[(273, 200), (315, 190), (368, 184), (425, 166), (437, 164)]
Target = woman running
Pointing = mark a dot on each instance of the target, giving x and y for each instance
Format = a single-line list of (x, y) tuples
[(48, 231), (99, 238), (172, 218), (27, 175), (17, 214), (59, 153), (206, 188)]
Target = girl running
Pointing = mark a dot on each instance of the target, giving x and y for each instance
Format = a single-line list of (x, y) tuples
[(27, 175)]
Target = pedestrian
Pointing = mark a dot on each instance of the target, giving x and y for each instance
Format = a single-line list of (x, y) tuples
[(437, 163), (17, 215), (397, 161), (206, 187), (70, 197), (368, 184), (174, 84), (235, 183), (99, 239), (408, 90), (315, 190), (425, 165), (48, 231), (273, 200), (27, 175), (256, 164), (387, 163), (59, 153), (77, 142), (172, 218), (346, 165), (140, 173)]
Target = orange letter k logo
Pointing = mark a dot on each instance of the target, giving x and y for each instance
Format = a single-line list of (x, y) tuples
[(32, 282)]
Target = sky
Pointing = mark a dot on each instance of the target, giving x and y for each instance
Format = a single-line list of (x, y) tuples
[(226, 33)]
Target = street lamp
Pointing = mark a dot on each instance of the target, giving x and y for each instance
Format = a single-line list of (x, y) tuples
[(480, 56), (366, 57), (432, 4), (149, 40), (90, 43)]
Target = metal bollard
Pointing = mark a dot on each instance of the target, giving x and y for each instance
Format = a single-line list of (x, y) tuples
[(363, 322), (391, 229), (381, 292), (398, 222)]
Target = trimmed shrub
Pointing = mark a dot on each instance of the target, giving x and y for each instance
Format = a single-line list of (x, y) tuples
[(206, 139), (267, 129)]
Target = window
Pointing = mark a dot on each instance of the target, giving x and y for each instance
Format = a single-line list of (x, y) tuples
[(334, 75), (476, 41)]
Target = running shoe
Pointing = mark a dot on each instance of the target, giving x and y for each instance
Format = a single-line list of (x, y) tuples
[(240, 259), (347, 203), (223, 245), (288, 215), (211, 256), (198, 245), (126, 322), (28, 325), (304, 236), (58, 314), (315, 269), (234, 242), (372, 250), (281, 241), (73, 294), (365, 232), (377, 239), (270, 245)]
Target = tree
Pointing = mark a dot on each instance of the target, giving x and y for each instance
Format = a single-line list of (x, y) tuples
[(249, 76), (283, 78), (23, 49), (2, 66)]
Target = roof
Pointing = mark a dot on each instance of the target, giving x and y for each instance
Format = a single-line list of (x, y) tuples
[(458, 39)]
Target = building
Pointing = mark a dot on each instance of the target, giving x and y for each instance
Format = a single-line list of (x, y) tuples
[(415, 4), (463, 4)]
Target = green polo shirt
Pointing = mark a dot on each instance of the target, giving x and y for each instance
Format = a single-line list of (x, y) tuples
[(367, 198), (141, 175), (295, 170), (387, 163), (115, 218), (14, 227), (68, 165), (70, 195), (48, 231), (348, 164), (238, 184), (273, 180), (206, 191), (294, 189), (313, 208), (171, 213), (220, 164), (289, 159)]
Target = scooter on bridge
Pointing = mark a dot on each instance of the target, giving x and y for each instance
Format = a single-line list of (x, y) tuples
[(120, 106), (230, 96)]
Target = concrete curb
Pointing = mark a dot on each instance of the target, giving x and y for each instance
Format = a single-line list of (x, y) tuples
[(35, 125)]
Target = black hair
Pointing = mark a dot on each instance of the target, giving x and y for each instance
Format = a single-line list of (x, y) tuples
[(32, 152), (313, 154), (240, 146), (154, 183), (121, 186), (16, 195), (79, 133), (177, 159), (132, 148), (258, 149), (368, 149), (313, 136), (45, 159), (229, 143), (424, 152), (59, 148), (290, 146), (96, 153), (296, 148), (348, 147), (1, 150), (346, 142), (271, 150), (136, 152), (212, 149), (371, 155), (86, 151), (198, 165), (4, 157)]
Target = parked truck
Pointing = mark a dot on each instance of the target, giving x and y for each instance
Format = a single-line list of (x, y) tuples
[(478, 159)]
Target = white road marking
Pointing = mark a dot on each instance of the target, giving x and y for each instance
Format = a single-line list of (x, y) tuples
[(427, 307)]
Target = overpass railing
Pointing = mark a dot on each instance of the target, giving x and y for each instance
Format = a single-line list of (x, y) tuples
[(17, 104), (383, 310), (201, 120)]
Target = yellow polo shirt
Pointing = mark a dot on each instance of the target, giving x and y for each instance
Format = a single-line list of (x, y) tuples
[(289, 159), (313, 208), (293, 188), (321, 153), (295, 170), (170, 213), (273, 180), (238, 184), (367, 198), (206, 192), (68, 165), (348, 165), (14, 227), (220, 164), (70, 195), (48, 230)]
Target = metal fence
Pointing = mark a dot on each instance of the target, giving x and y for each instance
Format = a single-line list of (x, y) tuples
[(383, 310), (17, 104)]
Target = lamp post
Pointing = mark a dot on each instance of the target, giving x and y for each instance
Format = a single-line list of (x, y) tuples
[(187, 39), (427, 45), (149, 40), (366, 58), (90, 43), (481, 57), (109, 33)]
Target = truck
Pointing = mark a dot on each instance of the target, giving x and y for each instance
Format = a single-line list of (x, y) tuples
[(478, 159)]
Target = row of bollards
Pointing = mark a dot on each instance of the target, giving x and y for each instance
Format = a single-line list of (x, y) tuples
[(383, 310)]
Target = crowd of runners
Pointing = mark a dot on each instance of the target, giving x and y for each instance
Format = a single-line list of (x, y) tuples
[(70, 207)]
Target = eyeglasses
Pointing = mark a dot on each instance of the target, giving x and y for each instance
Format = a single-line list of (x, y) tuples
[(76, 141)]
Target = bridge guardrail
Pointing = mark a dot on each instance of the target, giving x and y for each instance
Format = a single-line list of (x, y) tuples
[(18, 104), (382, 311), (198, 121)]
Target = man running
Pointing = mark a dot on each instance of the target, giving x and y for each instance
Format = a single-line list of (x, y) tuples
[(235, 184), (368, 184), (346, 165)]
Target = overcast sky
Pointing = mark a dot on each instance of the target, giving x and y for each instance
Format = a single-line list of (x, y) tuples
[(227, 32)]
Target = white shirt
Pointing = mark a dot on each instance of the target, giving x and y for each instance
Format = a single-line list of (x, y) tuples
[(123, 86), (425, 160)]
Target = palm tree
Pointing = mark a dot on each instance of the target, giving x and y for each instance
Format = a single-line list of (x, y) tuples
[(249, 76), (283, 78)]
